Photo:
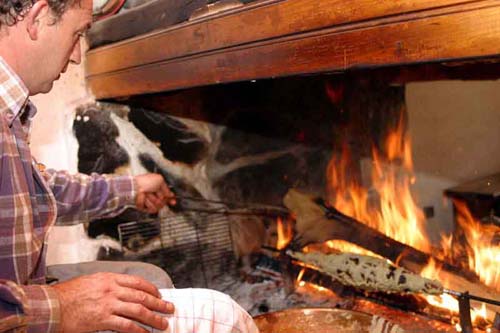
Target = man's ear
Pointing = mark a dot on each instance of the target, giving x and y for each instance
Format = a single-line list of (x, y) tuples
[(35, 18)]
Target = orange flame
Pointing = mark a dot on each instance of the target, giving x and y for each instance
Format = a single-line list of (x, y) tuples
[(446, 301), (307, 287), (337, 246), (480, 313), (395, 212), (284, 230), (482, 251), (299, 277)]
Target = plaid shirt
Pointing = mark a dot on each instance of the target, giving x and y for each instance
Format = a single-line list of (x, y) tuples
[(29, 203)]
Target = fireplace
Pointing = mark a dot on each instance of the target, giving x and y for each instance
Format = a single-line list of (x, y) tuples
[(234, 164), (307, 147)]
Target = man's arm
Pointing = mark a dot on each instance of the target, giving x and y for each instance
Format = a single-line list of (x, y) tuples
[(35, 306), (82, 197), (102, 301)]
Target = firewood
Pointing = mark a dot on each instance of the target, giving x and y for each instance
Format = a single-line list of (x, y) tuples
[(312, 225), (316, 223)]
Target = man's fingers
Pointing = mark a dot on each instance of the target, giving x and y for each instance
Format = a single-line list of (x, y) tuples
[(165, 190), (120, 324), (150, 302), (153, 193), (167, 194), (155, 200), (160, 196), (138, 283), (139, 201), (142, 314), (150, 205)]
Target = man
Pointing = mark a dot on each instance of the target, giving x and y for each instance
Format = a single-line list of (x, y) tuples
[(38, 39)]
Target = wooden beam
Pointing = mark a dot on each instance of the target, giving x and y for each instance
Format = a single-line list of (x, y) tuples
[(259, 21), (463, 31)]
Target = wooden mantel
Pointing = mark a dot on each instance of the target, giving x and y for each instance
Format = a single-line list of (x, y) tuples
[(277, 38)]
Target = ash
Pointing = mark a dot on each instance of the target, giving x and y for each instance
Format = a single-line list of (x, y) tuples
[(269, 295)]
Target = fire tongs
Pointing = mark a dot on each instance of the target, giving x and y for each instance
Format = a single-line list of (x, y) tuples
[(202, 205)]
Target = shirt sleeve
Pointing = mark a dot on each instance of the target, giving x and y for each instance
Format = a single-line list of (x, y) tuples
[(81, 198), (33, 309)]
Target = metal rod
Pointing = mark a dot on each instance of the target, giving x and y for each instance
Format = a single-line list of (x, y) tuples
[(147, 223), (225, 211), (496, 322), (470, 296), (232, 203), (464, 312), (273, 249)]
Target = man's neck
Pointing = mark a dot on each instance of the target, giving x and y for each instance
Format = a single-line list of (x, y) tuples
[(15, 54)]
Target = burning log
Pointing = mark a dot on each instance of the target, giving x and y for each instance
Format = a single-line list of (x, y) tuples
[(316, 223)]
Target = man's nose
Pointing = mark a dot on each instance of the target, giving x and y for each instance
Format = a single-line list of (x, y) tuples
[(76, 54)]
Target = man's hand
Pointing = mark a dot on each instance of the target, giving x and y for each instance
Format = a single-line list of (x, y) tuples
[(109, 301), (152, 193)]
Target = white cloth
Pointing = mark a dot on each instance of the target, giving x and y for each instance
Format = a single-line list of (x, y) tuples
[(205, 311)]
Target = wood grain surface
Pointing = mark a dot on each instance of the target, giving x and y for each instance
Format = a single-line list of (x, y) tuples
[(284, 38)]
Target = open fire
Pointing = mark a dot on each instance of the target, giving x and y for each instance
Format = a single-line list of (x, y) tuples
[(483, 254), (388, 206), (478, 313)]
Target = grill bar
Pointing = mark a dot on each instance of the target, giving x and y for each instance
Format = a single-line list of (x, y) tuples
[(194, 246)]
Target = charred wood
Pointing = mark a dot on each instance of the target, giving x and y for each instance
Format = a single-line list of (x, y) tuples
[(316, 224)]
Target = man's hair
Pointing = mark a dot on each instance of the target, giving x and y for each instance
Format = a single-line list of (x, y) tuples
[(13, 11)]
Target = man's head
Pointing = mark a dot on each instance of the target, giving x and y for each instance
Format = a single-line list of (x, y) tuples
[(38, 38)]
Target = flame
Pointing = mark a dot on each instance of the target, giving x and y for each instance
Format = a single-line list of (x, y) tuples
[(308, 287), (339, 245), (284, 230), (477, 314), (388, 206), (431, 270), (483, 254), (446, 301), (446, 246), (395, 212), (300, 275), (443, 301)]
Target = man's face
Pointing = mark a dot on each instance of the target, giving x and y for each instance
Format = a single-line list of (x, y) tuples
[(60, 43)]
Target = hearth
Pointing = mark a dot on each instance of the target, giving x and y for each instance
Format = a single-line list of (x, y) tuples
[(250, 167)]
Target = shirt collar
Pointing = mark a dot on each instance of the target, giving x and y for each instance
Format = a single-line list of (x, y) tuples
[(14, 95)]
